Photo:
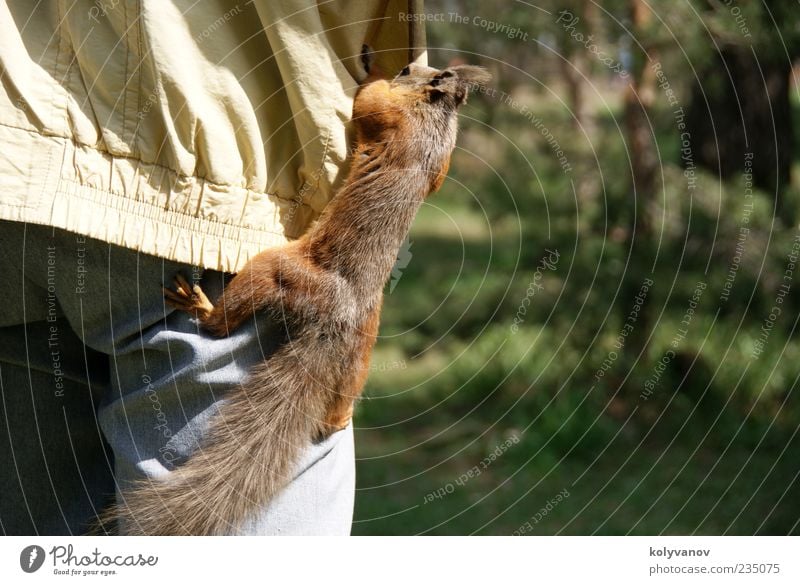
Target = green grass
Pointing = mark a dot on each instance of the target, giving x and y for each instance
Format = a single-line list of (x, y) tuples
[(626, 491)]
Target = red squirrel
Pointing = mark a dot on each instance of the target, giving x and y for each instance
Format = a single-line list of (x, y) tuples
[(326, 288)]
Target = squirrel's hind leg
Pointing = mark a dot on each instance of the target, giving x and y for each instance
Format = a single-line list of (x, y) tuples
[(336, 418), (189, 298)]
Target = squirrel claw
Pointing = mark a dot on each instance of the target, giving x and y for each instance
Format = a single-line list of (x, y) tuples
[(367, 58), (188, 298)]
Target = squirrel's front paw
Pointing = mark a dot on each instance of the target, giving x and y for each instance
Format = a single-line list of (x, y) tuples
[(188, 298), (367, 58)]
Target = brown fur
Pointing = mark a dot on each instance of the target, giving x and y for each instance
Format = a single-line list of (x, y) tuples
[(326, 289)]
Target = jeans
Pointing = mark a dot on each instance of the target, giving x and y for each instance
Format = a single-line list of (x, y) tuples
[(102, 383)]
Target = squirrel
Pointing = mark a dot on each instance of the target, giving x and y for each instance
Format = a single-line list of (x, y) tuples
[(326, 289)]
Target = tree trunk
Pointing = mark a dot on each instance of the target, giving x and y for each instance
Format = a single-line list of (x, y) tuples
[(639, 97), (745, 113)]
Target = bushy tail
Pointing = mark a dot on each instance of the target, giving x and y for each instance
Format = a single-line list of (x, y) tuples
[(252, 447)]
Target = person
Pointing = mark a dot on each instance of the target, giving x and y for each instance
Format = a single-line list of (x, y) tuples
[(177, 137)]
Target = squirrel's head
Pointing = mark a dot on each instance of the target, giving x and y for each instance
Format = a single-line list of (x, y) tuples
[(418, 110), (446, 88)]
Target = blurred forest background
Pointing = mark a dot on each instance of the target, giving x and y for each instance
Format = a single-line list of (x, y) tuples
[(592, 327)]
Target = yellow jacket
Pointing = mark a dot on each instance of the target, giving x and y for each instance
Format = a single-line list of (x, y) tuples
[(202, 132)]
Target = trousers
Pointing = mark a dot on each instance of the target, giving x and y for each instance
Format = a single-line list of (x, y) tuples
[(102, 383)]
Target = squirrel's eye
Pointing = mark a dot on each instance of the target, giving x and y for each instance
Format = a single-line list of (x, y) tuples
[(405, 71)]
